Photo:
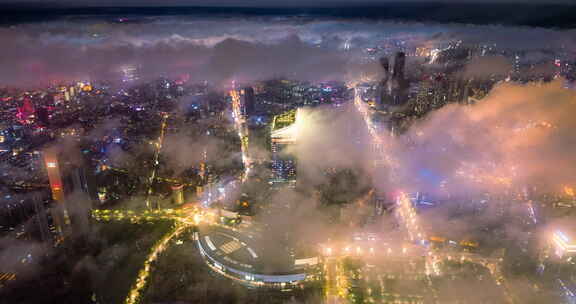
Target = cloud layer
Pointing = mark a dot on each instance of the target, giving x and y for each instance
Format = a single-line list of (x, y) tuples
[(222, 49)]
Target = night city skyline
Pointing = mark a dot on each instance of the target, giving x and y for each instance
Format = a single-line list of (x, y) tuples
[(314, 152)]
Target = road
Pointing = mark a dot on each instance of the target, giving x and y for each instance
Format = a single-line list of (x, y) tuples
[(334, 289), (408, 217), (242, 130), (156, 162)]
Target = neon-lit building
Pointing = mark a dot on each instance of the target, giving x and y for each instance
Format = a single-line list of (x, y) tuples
[(283, 136), (26, 112)]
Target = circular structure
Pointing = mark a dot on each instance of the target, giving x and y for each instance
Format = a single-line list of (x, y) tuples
[(239, 256)]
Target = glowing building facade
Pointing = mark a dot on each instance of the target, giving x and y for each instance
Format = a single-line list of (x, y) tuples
[(66, 179), (283, 137), (563, 245), (53, 170), (59, 214), (130, 73), (25, 114)]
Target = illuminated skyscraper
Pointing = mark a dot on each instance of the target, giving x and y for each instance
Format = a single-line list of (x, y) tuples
[(248, 101), (283, 136), (53, 170), (59, 213), (67, 179)]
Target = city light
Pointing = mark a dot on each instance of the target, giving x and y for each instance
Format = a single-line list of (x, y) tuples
[(158, 149), (569, 191), (242, 129), (348, 161), (564, 244), (144, 273)]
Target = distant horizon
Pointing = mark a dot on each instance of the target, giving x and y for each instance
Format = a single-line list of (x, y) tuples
[(327, 4), (531, 14)]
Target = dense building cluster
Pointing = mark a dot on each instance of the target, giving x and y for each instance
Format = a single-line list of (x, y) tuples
[(70, 152)]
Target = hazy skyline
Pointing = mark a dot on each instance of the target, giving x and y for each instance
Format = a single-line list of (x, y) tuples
[(419, 151)]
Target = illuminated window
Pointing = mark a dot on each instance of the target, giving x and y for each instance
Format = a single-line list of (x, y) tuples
[(51, 165)]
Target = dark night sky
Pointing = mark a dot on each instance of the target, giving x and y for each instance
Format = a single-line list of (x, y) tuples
[(263, 3)]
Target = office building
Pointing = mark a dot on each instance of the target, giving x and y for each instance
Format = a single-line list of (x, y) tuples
[(283, 138)]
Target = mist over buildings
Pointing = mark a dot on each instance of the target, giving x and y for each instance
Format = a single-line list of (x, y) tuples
[(517, 135), (235, 48), (520, 135), (467, 148)]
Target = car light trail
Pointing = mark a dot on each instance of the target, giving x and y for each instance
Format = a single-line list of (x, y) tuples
[(242, 129), (134, 294), (377, 139), (405, 210)]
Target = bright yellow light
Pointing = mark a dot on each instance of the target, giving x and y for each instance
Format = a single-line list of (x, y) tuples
[(569, 191), (197, 218)]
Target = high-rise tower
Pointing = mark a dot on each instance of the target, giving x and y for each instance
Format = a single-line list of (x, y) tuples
[(69, 184), (399, 63), (382, 92), (283, 136), (392, 91), (385, 66), (59, 213), (248, 101)]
